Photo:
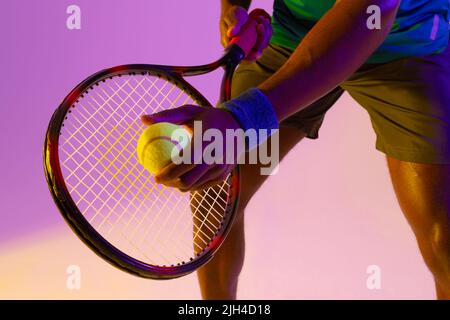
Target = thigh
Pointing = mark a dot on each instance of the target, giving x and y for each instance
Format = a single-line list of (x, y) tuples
[(408, 101), (423, 192), (249, 75)]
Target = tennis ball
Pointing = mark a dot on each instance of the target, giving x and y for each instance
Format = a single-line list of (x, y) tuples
[(159, 143)]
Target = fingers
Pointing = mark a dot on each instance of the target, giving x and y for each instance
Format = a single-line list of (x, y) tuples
[(214, 176), (170, 174), (213, 182), (178, 115), (264, 33), (192, 177), (189, 179), (235, 19), (183, 177), (259, 12), (223, 32)]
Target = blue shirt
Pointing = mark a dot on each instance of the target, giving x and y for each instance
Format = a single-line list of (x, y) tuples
[(421, 27)]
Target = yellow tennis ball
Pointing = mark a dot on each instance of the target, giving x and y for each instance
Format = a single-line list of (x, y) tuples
[(159, 143)]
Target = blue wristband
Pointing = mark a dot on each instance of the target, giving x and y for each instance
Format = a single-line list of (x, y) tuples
[(253, 110)]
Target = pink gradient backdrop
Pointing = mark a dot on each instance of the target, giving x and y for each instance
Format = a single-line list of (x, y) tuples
[(312, 230)]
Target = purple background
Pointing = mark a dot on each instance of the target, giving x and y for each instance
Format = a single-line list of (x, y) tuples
[(311, 231), (44, 60)]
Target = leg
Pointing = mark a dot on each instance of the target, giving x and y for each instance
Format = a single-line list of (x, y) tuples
[(219, 278), (423, 191), (407, 100)]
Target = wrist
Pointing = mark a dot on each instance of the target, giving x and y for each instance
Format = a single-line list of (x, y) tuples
[(255, 114)]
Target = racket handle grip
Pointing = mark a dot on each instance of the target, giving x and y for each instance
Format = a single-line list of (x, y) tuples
[(247, 37)]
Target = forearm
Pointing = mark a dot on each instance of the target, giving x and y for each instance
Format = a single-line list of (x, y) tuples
[(331, 52), (226, 4)]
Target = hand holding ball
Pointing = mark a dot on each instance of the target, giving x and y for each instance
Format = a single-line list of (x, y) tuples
[(160, 143)]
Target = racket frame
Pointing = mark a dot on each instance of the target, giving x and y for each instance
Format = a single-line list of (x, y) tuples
[(66, 205)]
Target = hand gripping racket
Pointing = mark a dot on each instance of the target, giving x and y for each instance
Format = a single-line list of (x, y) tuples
[(108, 199)]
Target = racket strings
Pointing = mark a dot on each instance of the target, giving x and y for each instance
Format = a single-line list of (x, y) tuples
[(106, 219), (119, 198), (119, 169)]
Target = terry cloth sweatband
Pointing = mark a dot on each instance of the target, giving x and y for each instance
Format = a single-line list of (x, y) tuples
[(253, 110)]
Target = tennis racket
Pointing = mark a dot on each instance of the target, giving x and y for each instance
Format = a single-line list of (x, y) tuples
[(108, 199)]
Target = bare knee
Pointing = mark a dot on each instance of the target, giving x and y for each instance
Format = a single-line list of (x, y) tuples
[(435, 247), (440, 246), (423, 191)]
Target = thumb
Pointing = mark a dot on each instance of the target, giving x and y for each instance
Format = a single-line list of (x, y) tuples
[(235, 20), (178, 115)]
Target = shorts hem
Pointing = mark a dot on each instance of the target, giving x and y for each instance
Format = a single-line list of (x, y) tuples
[(414, 156)]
